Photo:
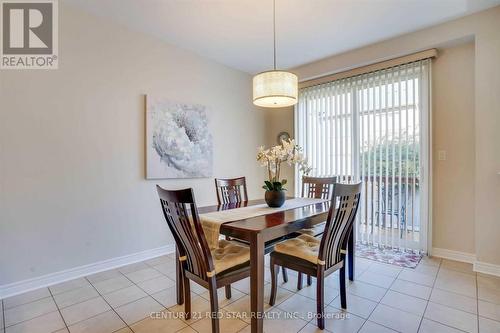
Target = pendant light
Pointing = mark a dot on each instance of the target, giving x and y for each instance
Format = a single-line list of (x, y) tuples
[(275, 88)]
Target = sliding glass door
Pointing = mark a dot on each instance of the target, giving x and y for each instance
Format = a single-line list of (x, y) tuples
[(374, 128)]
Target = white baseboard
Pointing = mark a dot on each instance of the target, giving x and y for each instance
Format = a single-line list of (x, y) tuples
[(454, 255), (478, 266), (76, 272), (486, 268)]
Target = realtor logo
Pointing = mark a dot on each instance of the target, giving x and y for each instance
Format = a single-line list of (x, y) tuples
[(29, 34)]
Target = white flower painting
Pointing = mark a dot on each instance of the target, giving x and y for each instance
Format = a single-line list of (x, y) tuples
[(179, 144)]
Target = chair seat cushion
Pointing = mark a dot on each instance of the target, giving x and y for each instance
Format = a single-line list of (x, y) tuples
[(228, 255), (317, 230), (305, 247)]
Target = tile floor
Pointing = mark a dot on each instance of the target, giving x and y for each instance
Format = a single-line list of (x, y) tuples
[(437, 296)]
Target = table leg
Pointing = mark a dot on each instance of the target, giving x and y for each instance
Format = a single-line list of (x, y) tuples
[(350, 255), (257, 283), (179, 281)]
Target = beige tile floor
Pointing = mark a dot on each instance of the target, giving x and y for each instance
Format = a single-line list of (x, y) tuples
[(437, 296)]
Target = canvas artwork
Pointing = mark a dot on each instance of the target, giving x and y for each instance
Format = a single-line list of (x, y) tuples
[(179, 143)]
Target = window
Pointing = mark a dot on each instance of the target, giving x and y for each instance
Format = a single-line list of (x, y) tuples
[(373, 128)]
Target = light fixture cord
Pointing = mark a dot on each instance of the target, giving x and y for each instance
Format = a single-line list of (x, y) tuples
[(274, 30)]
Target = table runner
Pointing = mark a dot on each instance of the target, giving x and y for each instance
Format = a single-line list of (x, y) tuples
[(211, 222)]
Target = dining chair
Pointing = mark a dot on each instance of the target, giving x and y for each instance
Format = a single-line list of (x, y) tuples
[(318, 188), (234, 191), (211, 269), (320, 258), (231, 190)]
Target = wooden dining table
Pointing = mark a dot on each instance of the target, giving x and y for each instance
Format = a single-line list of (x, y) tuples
[(258, 231)]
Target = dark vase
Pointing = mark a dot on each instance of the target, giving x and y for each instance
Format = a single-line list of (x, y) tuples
[(275, 199)]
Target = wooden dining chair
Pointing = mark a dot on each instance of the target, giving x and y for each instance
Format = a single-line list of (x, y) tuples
[(231, 190), (320, 258), (234, 191), (318, 188), (211, 269)]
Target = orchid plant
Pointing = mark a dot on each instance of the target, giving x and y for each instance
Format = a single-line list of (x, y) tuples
[(272, 158)]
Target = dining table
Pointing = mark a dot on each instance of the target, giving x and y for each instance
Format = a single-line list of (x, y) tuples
[(261, 230)]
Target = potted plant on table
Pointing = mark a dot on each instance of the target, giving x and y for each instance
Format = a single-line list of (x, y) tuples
[(272, 158)]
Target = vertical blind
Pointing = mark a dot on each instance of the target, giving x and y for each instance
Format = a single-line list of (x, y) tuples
[(373, 128)]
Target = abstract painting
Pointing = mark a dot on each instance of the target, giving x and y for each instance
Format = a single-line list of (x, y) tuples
[(179, 143)]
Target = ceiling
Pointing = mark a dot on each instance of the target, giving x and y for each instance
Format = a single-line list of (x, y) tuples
[(238, 33)]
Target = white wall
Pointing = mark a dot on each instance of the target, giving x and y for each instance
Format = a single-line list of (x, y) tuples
[(453, 132), (281, 120), (72, 164)]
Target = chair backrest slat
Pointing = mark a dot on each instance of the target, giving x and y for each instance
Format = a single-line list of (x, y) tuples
[(231, 190), (181, 214), (318, 187), (340, 222)]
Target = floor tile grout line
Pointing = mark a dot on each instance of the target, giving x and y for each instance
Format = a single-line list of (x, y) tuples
[(118, 330), (477, 303), (150, 295), (191, 327), (372, 284), (127, 303), (96, 315), (489, 302), (58, 310), (453, 292), (434, 287), (118, 271), (38, 316), (293, 292), (379, 302), (276, 307), (119, 289), (148, 279), (85, 300), (242, 329), (421, 284), (457, 270), (428, 301), (3, 316), (341, 310), (365, 320), (310, 321), (157, 301), (161, 263), (113, 309), (368, 320), (453, 308), (456, 329), (34, 300), (26, 320), (387, 290), (489, 318), (80, 302), (445, 305)]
